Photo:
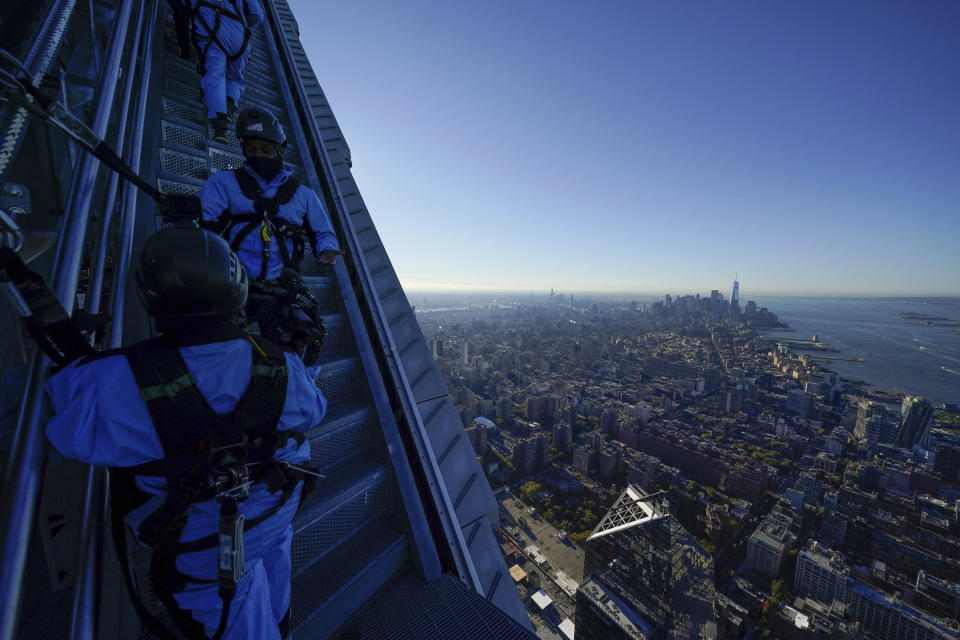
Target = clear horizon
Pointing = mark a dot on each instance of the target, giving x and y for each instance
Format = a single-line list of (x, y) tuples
[(812, 148), (625, 294)]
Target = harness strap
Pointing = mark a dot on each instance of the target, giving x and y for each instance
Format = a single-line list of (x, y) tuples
[(212, 31), (265, 216), (199, 446), (190, 446)]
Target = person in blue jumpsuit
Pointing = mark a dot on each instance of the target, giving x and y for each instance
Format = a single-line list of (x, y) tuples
[(221, 33), (245, 222), (194, 288), (271, 221)]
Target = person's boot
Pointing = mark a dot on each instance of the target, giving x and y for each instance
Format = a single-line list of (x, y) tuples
[(232, 111), (219, 127)]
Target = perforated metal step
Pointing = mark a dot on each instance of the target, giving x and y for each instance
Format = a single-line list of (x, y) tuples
[(334, 589), (355, 492)]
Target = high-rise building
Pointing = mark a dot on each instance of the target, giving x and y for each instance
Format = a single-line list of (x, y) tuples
[(821, 572), (769, 545), (611, 456), (833, 531), (735, 296), (530, 453), (562, 437), (946, 462), (887, 616), (876, 423), (584, 458), (936, 596), (609, 422), (916, 417), (642, 559), (478, 435), (798, 402)]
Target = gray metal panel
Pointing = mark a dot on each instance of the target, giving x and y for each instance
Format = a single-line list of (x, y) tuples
[(468, 488), (497, 583)]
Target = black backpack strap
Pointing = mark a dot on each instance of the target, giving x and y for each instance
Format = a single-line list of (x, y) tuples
[(170, 392), (286, 190), (259, 410)]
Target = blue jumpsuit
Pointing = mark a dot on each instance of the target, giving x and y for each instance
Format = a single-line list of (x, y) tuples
[(223, 78), (221, 192), (101, 420)]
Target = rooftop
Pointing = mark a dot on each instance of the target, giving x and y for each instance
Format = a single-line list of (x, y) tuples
[(541, 599), (617, 610)]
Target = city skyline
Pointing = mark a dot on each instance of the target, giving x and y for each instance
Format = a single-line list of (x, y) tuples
[(811, 148)]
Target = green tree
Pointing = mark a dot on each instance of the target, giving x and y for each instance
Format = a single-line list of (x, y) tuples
[(529, 490)]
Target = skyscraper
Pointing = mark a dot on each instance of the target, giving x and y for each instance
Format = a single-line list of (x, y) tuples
[(876, 423), (916, 416), (821, 572), (658, 575), (735, 296)]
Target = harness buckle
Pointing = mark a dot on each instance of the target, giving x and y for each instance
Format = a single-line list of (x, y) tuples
[(230, 557), (171, 389), (233, 483)]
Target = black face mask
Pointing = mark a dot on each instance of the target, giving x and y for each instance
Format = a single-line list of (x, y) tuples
[(266, 168)]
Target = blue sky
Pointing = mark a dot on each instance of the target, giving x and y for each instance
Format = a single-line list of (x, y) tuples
[(810, 147)]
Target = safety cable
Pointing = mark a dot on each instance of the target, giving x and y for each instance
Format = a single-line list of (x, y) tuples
[(20, 90)]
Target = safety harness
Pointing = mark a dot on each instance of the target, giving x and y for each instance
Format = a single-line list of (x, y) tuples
[(265, 216), (220, 10), (209, 456)]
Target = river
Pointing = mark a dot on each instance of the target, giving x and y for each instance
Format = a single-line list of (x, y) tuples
[(900, 352)]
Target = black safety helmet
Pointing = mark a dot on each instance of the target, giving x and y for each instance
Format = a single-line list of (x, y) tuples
[(190, 274), (254, 122)]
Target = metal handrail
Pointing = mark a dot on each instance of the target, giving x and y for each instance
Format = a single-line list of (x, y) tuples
[(442, 502), (95, 288), (21, 481), (86, 597)]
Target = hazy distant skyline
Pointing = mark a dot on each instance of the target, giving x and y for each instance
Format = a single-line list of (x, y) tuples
[(810, 147)]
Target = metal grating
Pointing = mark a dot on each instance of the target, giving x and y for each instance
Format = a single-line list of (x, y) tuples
[(334, 338), (269, 100), (224, 160), (266, 82), (182, 188), (183, 164), (182, 111), (183, 136), (232, 139), (333, 528), (342, 443), (260, 67), (183, 91), (181, 71), (322, 288), (338, 385), (339, 568), (442, 609)]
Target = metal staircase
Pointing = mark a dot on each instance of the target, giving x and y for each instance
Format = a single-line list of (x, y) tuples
[(349, 536), (403, 518)]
